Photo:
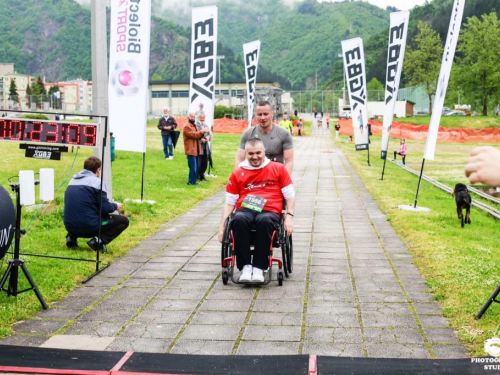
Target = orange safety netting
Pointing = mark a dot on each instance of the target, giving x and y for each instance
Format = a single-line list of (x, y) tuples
[(419, 132), (227, 125)]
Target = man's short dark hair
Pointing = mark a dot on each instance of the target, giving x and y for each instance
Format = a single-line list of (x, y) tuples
[(92, 164), (264, 103), (254, 142)]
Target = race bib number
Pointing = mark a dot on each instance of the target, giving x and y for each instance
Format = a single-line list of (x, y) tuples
[(254, 202)]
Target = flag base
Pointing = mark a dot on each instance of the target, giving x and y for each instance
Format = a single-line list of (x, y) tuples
[(406, 207), (139, 201)]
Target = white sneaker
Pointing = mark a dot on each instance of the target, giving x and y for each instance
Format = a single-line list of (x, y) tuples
[(171, 157), (258, 275), (246, 273)]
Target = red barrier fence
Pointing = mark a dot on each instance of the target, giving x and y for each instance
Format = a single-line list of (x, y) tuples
[(419, 132), (227, 125)]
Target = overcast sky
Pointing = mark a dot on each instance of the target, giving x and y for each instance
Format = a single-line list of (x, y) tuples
[(402, 5)]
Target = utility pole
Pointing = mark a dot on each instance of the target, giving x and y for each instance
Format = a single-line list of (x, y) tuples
[(316, 79), (100, 105)]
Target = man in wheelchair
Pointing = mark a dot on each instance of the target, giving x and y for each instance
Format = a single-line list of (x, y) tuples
[(256, 189)]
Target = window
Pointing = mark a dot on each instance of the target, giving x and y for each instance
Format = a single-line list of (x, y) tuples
[(224, 92), (160, 94), (180, 94), (235, 93)]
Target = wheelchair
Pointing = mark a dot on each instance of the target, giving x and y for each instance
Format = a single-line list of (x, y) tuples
[(279, 240)]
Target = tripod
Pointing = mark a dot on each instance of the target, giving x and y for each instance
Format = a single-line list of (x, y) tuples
[(488, 303), (16, 263)]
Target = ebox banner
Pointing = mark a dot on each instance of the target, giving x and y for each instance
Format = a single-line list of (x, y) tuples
[(444, 77), (251, 52), (354, 65), (203, 61), (129, 72), (398, 33)]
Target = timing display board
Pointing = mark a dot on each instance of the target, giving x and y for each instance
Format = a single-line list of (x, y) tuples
[(42, 131)]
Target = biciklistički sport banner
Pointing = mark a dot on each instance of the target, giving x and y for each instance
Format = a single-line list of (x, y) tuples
[(251, 52)]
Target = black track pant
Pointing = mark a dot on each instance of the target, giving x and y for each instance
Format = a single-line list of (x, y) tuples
[(202, 166), (115, 226), (265, 223)]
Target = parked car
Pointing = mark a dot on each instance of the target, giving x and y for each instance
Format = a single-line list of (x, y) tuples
[(455, 113), (422, 113)]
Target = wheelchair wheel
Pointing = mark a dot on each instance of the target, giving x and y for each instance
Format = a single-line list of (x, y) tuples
[(284, 256), (280, 278), (226, 242), (225, 277), (289, 256)]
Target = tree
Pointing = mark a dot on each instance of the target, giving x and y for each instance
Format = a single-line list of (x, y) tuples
[(28, 94), (477, 70), (423, 63), (13, 95), (55, 99)]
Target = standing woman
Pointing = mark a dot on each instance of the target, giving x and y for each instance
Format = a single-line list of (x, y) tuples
[(205, 146)]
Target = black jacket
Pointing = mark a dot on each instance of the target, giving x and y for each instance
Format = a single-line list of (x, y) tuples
[(167, 121)]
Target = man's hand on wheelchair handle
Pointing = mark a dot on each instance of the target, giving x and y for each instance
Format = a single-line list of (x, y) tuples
[(221, 232), (289, 225)]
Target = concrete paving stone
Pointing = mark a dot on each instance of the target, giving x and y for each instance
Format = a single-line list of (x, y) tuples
[(38, 327), (152, 331), (172, 305), (279, 306), (58, 313), (314, 307), (323, 249), (427, 308), (332, 320), (151, 316), (109, 315), (376, 278), (150, 266), (334, 335), (272, 333), (329, 286), (391, 335), (397, 351), (378, 320), (152, 245), (268, 348), (179, 293), (275, 319), (112, 304), (381, 296), (75, 302), (163, 235), (94, 328), (187, 276), (180, 253), (166, 258), (278, 294), (228, 305), (409, 270), (339, 270), (329, 262), (22, 340), (331, 296), (210, 332), (108, 282), (441, 335), (337, 256), (225, 294), (199, 347), (421, 297), (450, 351), (190, 284), (416, 287), (373, 270), (139, 282), (206, 260), (377, 286), (201, 267), (84, 291), (429, 321), (141, 252), (412, 279), (386, 308), (366, 256), (144, 293), (335, 243), (149, 274), (333, 350), (141, 345), (120, 269), (219, 318), (133, 259)]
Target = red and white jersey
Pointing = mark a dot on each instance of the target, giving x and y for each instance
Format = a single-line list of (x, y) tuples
[(266, 182)]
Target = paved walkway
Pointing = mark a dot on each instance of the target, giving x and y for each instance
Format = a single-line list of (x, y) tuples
[(354, 290)]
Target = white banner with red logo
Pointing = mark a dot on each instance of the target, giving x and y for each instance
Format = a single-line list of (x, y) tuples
[(129, 72), (398, 32), (354, 65), (444, 77), (251, 52), (203, 61)]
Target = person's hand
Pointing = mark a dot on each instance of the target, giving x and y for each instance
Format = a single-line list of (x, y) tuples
[(206, 130), (203, 140), (221, 232), (289, 225), (484, 166), (119, 206), (165, 127)]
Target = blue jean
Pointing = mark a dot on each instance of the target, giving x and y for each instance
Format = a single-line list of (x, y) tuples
[(193, 168), (168, 147)]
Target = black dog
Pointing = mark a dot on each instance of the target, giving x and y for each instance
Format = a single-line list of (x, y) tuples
[(463, 201)]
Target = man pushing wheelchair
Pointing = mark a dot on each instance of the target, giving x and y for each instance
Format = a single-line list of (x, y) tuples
[(256, 190)]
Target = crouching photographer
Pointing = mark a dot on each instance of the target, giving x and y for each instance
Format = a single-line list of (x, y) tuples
[(81, 209)]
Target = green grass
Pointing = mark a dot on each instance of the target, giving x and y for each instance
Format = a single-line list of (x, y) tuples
[(165, 183), (465, 122), (460, 265)]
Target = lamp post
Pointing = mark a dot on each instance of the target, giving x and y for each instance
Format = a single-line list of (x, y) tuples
[(344, 82), (219, 58)]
